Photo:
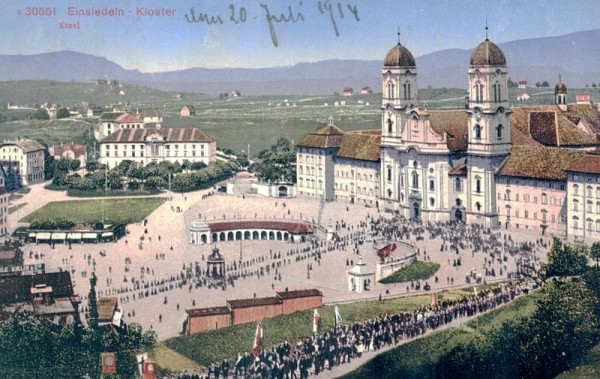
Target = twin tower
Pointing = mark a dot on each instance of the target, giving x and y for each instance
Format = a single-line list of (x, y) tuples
[(488, 138)]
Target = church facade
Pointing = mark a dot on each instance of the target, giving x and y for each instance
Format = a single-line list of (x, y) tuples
[(487, 163)]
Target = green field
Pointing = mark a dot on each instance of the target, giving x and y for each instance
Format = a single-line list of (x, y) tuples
[(418, 359), (417, 270), (233, 122), (117, 211), (216, 345)]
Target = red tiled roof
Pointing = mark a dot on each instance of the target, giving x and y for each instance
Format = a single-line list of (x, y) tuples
[(539, 162), (60, 149), (542, 126), (3, 191), (324, 137), (291, 227), (454, 124), (202, 312), (168, 134), (257, 302), (589, 163), (127, 118), (298, 294), (359, 145)]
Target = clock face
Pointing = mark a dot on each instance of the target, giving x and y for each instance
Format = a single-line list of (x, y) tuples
[(477, 113)]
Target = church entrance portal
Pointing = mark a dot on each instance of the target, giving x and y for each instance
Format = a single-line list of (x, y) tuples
[(458, 216), (416, 211)]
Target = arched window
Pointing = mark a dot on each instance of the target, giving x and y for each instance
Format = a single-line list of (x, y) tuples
[(389, 125), (589, 206), (415, 179), (477, 131), (497, 93), (575, 189), (457, 185), (589, 191), (500, 131), (478, 92), (432, 201), (407, 94), (589, 224), (575, 222), (431, 185), (598, 225), (389, 192), (598, 207), (390, 90), (389, 174), (478, 206), (544, 199), (507, 195), (478, 185), (575, 205), (544, 215)]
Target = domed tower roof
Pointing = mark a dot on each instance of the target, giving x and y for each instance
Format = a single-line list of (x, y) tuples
[(399, 56), (560, 87), (487, 54)]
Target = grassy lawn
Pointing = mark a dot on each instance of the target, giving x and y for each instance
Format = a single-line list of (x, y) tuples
[(90, 211), (15, 208), (216, 345), (172, 361), (418, 270), (418, 359)]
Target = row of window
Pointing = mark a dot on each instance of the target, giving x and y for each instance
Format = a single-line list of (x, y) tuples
[(141, 147), (589, 206), (134, 154), (527, 198), (588, 190), (310, 183), (406, 90), (496, 93), (589, 224)]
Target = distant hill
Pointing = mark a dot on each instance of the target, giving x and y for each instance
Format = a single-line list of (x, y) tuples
[(576, 56)]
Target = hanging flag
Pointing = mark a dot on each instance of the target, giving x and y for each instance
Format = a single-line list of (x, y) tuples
[(109, 363), (315, 321), (338, 317), (257, 339), (149, 370), (434, 300)]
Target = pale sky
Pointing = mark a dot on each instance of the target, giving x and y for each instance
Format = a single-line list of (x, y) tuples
[(367, 30)]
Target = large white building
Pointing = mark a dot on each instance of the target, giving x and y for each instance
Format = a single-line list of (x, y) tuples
[(530, 167), (30, 157), (156, 145), (3, 204)]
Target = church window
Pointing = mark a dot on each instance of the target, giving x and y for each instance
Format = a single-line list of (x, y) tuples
[(389, 192), (415, 180), (401, 180), (389, 174), (457, 185), (478, 185), (407, 94), (431, 185), (477, 131), (478, 92), (389, 125), (415, 164), (390, 89), (432, 201), (478, 206), (544, 199), (497, 93), (458, 202), (499, 131)]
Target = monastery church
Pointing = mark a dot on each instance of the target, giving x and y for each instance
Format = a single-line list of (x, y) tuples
[(532, 167)]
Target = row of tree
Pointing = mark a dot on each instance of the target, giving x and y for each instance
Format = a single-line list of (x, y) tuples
[(556, 337)]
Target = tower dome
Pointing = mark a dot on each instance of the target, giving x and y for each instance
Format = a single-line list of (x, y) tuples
[(399, 56), (560, 87), (487, 54)]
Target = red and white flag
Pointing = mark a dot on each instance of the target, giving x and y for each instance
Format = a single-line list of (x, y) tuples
[(434, 300), (315, 321), (258, 336)]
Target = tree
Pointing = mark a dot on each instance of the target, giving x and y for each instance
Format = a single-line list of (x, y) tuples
[(565, 260), (278, 163), (48, 165), (93, 303), (595, 252), (512, 84), (41, 114), (62, 113), (545, 84), (538, 84)]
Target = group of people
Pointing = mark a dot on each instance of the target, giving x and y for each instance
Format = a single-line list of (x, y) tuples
[(345, 342)]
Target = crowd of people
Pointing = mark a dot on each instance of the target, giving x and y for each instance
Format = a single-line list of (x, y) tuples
[(345, 342)]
